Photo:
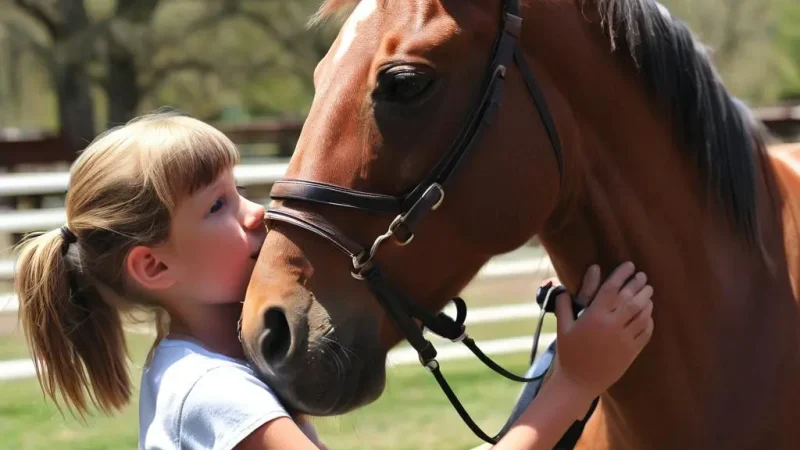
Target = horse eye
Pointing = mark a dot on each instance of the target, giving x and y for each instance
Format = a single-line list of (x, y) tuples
[(401, 85)]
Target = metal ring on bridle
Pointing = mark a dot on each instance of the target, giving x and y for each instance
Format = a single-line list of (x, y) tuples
[(441, 196), (399, 220), (359, 261)]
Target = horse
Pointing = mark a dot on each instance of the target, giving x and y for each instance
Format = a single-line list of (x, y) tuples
[(457, 130)]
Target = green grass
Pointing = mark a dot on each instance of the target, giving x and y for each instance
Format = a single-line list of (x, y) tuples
[(517, 328), (12, 345), (412, 414)]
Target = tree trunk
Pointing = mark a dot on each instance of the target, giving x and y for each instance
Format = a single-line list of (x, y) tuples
[(75, 106), (122, 87), (72, 84)]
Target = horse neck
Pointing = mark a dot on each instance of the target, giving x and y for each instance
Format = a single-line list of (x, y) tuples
[(631, 194), (718, 310), (629, 191)]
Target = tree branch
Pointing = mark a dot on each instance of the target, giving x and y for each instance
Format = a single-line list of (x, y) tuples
[(228, 9), (288, 42), (78, 47), (38, 14), (255, 68), (205, 22), (161, 74), (732, 36), (18, 34)]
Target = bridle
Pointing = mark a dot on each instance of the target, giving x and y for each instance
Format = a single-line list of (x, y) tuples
[(427, 196)]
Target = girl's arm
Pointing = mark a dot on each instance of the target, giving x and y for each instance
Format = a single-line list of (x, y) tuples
[(281, 433), (549, 416)]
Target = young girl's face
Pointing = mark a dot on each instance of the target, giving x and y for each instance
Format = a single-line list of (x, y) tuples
[(215, 238)]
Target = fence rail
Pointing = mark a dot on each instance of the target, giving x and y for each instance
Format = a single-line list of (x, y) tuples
[(46, 183), (495, 269), (29, 220)]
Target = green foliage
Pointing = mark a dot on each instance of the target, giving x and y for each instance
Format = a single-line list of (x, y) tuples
[(788, 41), (740, 37), (201, 57), (204, 57)]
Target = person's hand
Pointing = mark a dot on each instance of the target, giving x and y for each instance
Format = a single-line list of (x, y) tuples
[(595, 350)]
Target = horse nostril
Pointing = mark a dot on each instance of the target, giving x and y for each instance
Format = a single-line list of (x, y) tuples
[(277, 337)]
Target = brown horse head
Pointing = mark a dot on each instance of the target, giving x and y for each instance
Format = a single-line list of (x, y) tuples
[(636, 153), (395, 89)]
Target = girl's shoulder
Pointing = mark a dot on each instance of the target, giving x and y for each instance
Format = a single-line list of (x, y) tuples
[(200, 397), (183, 358)]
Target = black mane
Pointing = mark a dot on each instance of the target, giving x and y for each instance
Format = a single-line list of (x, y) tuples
[(718, 129)]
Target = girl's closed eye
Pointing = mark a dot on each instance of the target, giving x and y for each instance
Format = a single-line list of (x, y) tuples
[(218, 204)]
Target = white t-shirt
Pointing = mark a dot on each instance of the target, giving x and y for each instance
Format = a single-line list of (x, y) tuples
[(193, 399)]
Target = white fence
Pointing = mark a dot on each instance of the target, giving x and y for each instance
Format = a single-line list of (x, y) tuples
[(45, 183), (533, 267), (56, 183)]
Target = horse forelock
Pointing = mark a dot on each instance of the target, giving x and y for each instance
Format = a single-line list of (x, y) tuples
[(332, 8)]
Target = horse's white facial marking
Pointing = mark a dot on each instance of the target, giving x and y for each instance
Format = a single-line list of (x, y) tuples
[(362, 12)]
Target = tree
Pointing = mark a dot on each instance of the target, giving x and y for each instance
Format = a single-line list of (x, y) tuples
[(740, 37), (788, 40), (132, 51)]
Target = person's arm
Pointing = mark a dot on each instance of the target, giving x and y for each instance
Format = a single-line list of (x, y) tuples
[(281, 433), (548, 417), (592, 353)]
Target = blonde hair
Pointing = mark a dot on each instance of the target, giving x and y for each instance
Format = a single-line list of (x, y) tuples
[(123, 189)]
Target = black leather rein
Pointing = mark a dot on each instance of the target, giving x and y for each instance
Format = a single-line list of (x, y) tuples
[(427, 196)]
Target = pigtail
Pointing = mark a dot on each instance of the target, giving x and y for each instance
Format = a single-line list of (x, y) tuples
[(72, 289), (76, 339)]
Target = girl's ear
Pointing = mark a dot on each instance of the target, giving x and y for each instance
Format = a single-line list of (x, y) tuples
[(150, 271)]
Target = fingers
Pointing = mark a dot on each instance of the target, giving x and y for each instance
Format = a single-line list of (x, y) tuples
[(591, 283), (608, 296), (564, 315), (633, 286), (630, 309), (646, 332), (640, 325)]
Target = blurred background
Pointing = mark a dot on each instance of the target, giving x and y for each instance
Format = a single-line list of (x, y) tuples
[(69, 69)]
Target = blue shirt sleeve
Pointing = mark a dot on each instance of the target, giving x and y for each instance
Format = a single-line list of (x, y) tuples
[(223, 407)]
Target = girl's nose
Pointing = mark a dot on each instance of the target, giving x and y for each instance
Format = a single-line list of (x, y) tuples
[(253, 214)]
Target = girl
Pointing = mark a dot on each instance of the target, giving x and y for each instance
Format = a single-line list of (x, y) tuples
[(154, 220)]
